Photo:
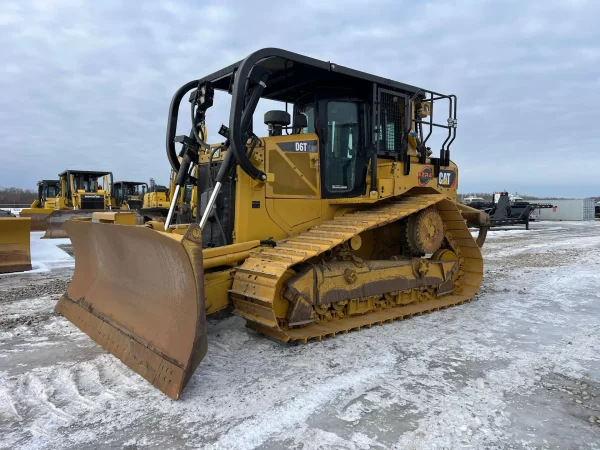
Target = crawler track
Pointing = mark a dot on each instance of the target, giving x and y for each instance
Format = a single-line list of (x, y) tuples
[(260, 280)]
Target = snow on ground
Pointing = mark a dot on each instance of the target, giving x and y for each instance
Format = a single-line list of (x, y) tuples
[(46, 255), (518, 368)]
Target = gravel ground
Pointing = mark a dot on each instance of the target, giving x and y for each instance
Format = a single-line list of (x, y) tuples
[(518, 368)]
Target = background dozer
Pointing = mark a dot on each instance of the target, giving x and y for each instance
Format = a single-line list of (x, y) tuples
[(129, 194), (15, 250), (156, 203), (48, 190), (81, 193), (336, 220)]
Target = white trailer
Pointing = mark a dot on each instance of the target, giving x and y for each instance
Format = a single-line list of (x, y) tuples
[(571, 209)]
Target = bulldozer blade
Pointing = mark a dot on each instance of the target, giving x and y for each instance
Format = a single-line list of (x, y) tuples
[(38, 217), (139, 293), (58, 217), (15, 249)]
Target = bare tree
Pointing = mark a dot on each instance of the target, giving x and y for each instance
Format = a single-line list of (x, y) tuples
[(16, 196)]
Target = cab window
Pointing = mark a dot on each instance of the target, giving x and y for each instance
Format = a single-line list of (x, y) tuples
[(342, 145), (309, 112)]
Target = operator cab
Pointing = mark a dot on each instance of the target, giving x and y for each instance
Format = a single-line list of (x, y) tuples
[(48, 189), (343, 157), (130, 192), (86, 183), (327, 147)]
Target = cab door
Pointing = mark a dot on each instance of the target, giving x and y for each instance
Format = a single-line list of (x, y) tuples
[(341, 127)]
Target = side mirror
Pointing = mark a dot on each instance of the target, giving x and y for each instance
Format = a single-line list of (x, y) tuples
[(300, 121)]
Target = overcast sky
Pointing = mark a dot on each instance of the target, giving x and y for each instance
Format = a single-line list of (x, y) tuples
[(87, 84)]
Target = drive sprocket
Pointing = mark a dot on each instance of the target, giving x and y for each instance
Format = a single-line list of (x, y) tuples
[(425, 231)]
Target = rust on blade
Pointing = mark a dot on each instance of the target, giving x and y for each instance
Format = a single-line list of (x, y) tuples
[(15, 249), (139, 293)]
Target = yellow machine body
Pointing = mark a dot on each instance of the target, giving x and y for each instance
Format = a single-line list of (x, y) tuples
[(156, 200), (297, 260), (82, 193), (15, 249), (115, 217), (156, 203), (48, 191), (129, 195)]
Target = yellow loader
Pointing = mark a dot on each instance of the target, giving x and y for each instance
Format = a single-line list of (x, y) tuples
[(48, 190), (340, 218), (15, 250)]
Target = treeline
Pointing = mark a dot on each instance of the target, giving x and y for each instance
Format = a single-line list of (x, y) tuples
[(16, 196), (488, 197)]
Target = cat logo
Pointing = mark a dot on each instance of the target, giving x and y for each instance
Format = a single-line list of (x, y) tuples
[(447, 179), (425, 175)]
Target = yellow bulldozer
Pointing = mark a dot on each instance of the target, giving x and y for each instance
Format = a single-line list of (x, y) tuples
[(82, 192), (157, 202), (129, 195), (339, 218), (48, 191)]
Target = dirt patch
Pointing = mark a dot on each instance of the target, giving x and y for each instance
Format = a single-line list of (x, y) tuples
[(52, 287), (27, 320), (557, 258), (549, 259), (583, 396)]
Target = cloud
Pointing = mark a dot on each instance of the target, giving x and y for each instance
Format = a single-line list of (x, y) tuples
[(87, 84)]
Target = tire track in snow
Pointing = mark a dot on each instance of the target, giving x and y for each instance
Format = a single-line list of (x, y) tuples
[(253, 432), (36, 392)]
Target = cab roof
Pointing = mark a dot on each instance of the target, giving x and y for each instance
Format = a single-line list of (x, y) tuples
[(134, 183), (292, 74), (84, 172)]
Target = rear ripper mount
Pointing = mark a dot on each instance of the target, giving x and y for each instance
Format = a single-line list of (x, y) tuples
[(385, 239)]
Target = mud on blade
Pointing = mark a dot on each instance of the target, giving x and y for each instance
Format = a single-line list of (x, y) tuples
[(139, 293)]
